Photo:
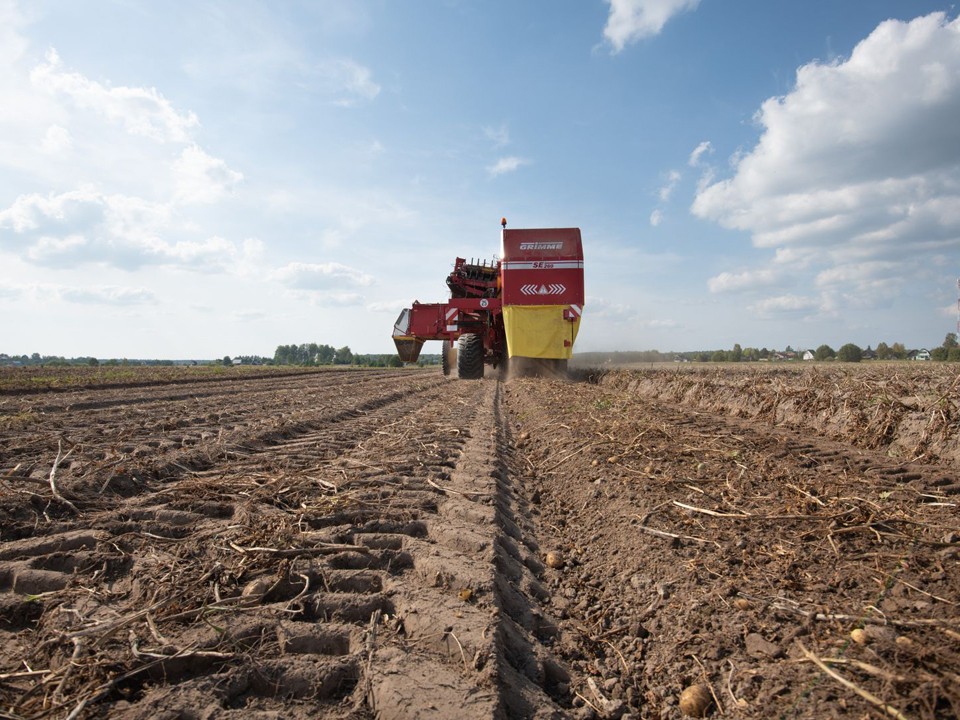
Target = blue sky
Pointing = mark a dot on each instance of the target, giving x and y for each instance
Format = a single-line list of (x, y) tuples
[(194, 179)]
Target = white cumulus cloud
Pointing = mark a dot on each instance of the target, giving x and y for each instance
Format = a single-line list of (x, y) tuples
[(785, 305), (201, 178), (347, 81), (506, 165), (615, 311), (320, 276), (857, 167), (124, 170), (667, 190), (698, 152), (93, 294), (632, 20), (106, 295), (140, 111), (88, 226), (746, 280), (56, 140)]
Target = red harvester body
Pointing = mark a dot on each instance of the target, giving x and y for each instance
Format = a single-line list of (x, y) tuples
[(527, 304)]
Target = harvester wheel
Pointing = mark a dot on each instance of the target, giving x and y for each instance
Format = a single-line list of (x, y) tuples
[(470, 357), (445, 357)]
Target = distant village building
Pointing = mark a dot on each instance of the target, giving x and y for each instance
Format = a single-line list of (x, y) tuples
[(785, 355), (808, 355), (922, 354)]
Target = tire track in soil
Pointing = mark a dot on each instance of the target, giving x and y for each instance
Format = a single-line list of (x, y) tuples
[(373, 559)]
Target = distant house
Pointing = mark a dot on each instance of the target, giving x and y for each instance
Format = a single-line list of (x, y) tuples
[(785, 355), (808, 355), (869, 354), (922, 354)]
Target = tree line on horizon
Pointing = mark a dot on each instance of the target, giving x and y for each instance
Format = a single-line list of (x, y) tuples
[(315, 354), (949, 351), (318, 354)]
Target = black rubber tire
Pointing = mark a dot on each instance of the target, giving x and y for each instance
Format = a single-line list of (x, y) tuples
[(445, 358), (470, 357)]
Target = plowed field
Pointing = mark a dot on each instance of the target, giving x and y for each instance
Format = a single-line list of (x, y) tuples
[(393, 544)]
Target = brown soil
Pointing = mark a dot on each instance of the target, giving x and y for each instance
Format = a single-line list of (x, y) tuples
[(392, 544)]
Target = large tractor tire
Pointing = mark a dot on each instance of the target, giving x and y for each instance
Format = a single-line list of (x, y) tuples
[(470, 357)]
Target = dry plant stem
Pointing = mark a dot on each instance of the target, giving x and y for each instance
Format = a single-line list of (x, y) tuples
[(53, 473), (570, 455), (714, 513), (923, 592), (23, 673), (706, 679), (462, 653), (594, 707), (371, 645), (322, 549), (674, 536), (921, 622), (9, 487), (108, 628), (738, 702), (869, 697), (599, 696), (449, 490), (868, 668), (623, 660), (306, 589), (105, 630), (77, 647)]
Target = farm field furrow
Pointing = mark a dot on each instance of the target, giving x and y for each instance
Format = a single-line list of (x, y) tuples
[(729, 553), (393, 544)]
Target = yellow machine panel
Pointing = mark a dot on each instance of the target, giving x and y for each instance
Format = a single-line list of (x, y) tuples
[(539, 331)]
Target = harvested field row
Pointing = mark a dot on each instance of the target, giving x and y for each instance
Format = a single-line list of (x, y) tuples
[(41, 379), (118, 440), (392, 544), (911, 411)]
